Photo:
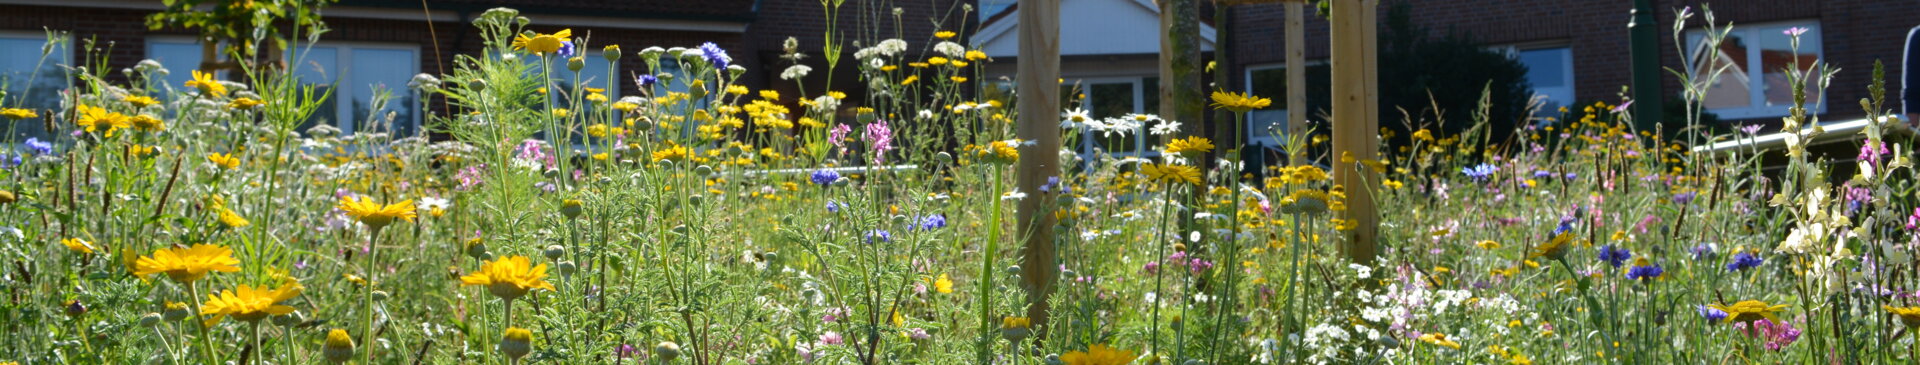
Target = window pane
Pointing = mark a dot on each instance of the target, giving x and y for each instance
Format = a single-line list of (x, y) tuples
[(1547, 73), (1111, 100), (31, 81), (1150, 95), (179, 57), (384, 71), (1731, 89), (1777, 55), (320, 66)]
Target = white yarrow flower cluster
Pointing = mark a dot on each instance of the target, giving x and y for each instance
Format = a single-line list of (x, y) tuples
[(795, 72), (950, 49)]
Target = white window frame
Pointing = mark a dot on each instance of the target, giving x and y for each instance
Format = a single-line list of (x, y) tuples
[(343, 95), (1087, 144), (1756, 94), (1261, 137)]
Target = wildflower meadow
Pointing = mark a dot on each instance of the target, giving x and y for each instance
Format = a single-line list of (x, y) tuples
[(208, 222)]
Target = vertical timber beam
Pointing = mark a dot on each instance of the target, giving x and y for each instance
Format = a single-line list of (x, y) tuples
[(1296, 36), (1181, 96), (1039, 88), (1649, 104), (1356, 121)]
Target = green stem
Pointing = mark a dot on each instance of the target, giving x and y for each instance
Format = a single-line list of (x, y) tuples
[(986, 271)]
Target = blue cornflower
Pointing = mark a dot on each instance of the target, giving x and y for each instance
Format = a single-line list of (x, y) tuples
[(1615, 256), (1711, 314), (879, 236), (39, 147), (566, 49), (10, 160), (718, 57), (1051, 181), (932, 222), (1702, 252), (834, 206), (1480, 172), (1542, 174), (1684, 198), (645, 81), (1565, 225), (1743, 261), (1642, 270), (824, 177)]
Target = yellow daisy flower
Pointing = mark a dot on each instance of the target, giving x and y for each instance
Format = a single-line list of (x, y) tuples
[(186, 265), (509, 277), (1098, 355), (542, 43), (376, 215), (249, 304)]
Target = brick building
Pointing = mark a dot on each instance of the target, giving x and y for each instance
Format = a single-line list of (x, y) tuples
[(382, 42), (1577, 50)]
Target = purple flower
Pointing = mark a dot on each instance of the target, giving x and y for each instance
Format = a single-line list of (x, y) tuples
[(645, 81), (831, 337), (1480, 172), (931, 222), (1621, 108), (1743, 261), (881, 137), (838, 135), (1199, 266), (918, 334), (469, 177), (1867, 151), (625, 351), (1913, 221), (1795, 31), (1684, 198), (824, 177), (566, 49), (39, 147), (1644, 272), (834, 206), (718, 57), (1750, 129), (879, 236), (1702, 252), (1711, 314), (1615, 256)]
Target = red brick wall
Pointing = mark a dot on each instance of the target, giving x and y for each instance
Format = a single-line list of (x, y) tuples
[(1856, 32)]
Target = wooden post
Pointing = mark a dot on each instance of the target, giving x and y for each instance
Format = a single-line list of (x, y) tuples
[(1356, 121), (1182, 97), (1296, 36), (1039, 88)]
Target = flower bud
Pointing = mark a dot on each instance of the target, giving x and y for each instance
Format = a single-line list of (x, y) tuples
[(339, 347), (567, 268), (667, 350), (576, 63), (571, 208), (176, 311), (477, 85), (553, 252), (611, 52), (75, 309), (7, 197), (517, 342), (150, 319)]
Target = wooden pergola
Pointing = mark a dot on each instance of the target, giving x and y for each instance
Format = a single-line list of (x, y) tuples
[(1356, 122)]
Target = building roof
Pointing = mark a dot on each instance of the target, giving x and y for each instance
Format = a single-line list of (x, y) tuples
[(711, 10), (1090, 27)]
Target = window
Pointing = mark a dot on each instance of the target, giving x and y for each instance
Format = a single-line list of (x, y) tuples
[(31, 79), (1114, 98), (1549, 74), (180, 55), (1268, 126), (360, 72), (1755, 59)]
